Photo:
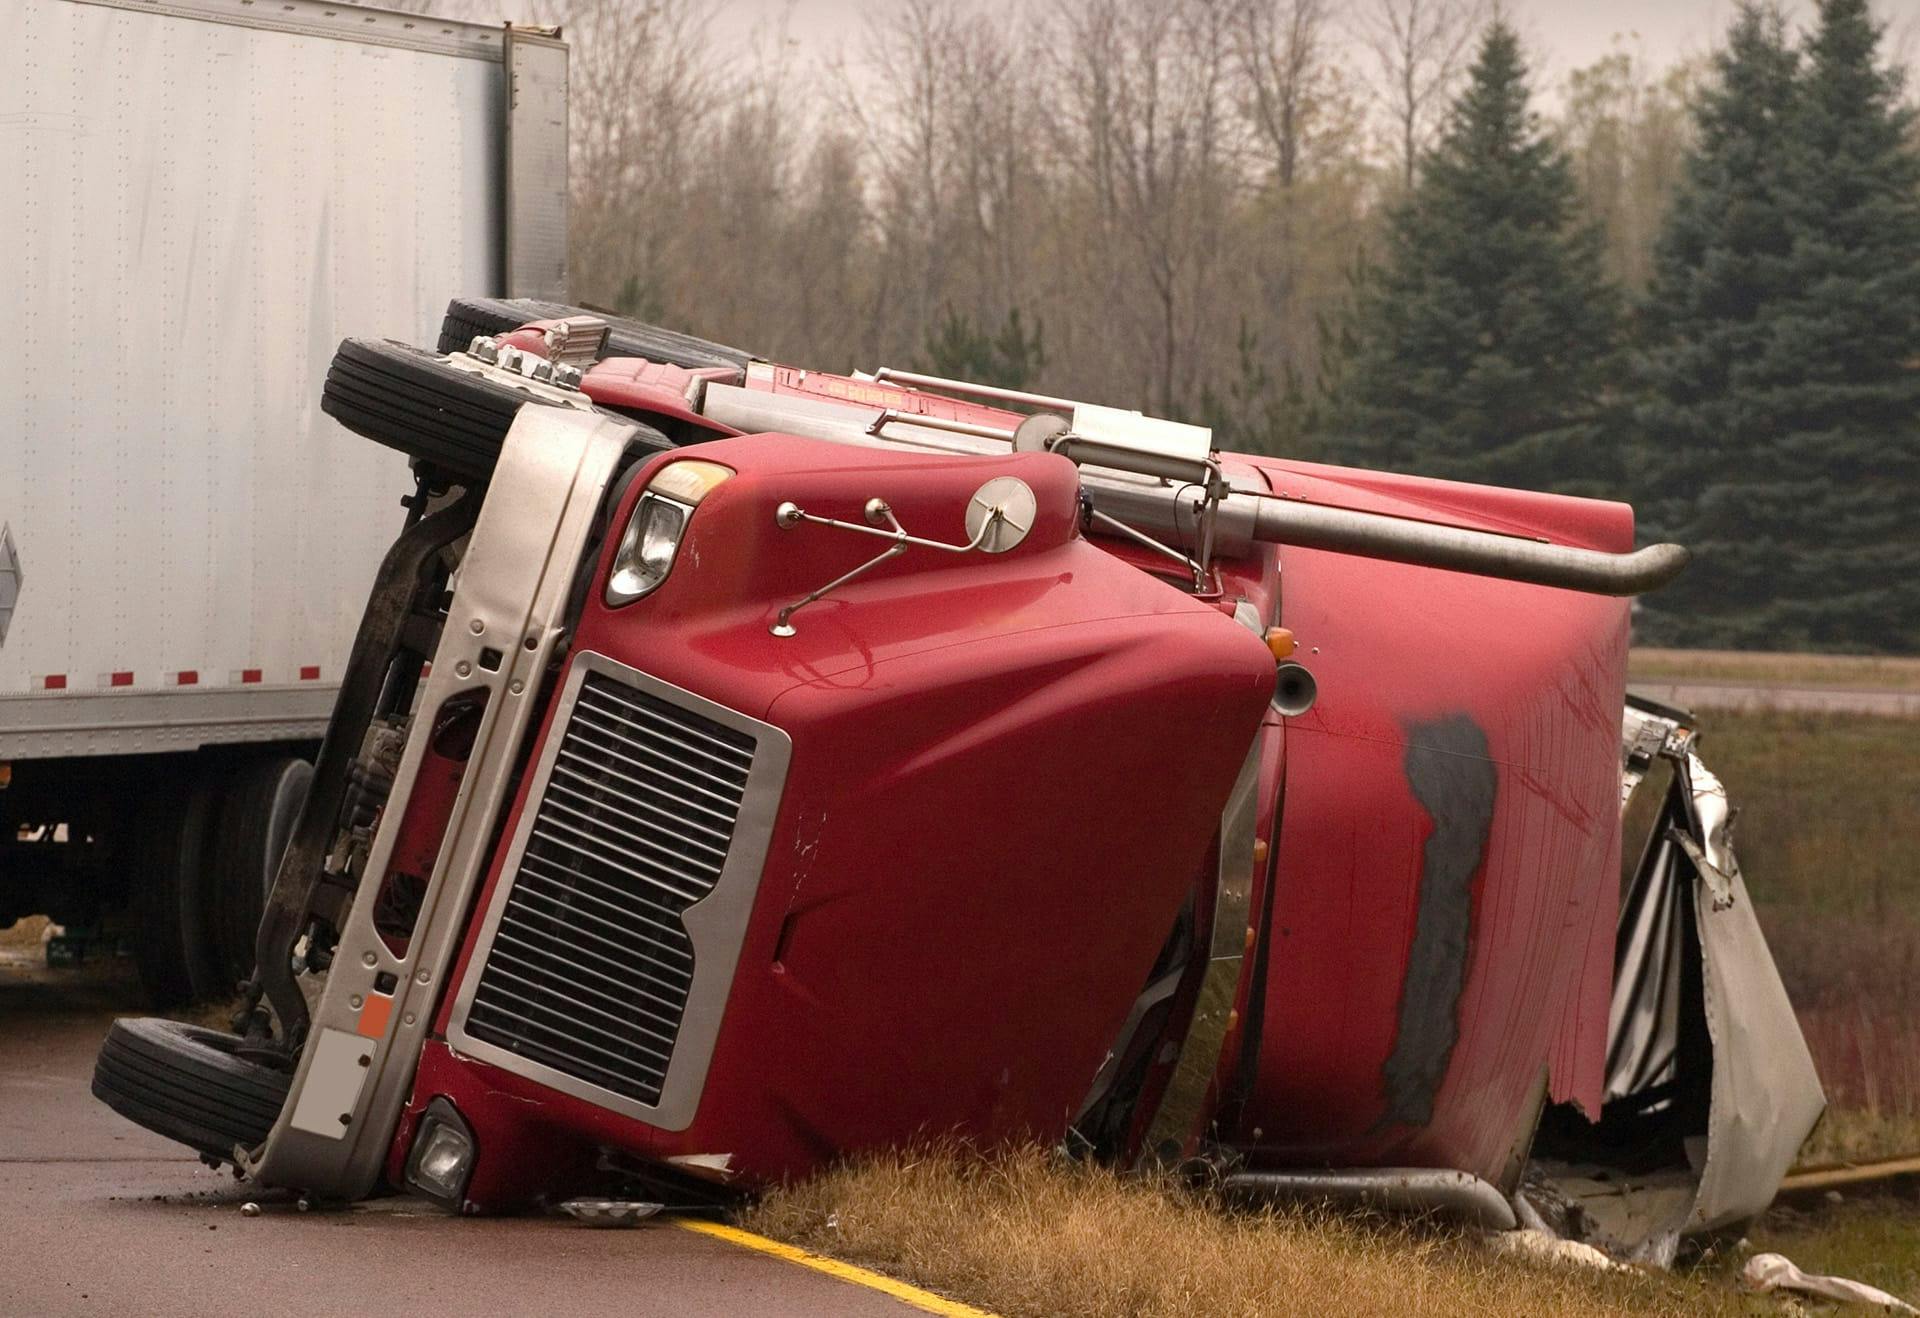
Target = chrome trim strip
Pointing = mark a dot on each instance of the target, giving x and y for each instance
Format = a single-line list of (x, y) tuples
[(716, 923), (1178, 1118), (511, 595)]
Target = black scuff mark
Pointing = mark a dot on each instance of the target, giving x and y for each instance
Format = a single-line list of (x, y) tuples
[(1455, 781)]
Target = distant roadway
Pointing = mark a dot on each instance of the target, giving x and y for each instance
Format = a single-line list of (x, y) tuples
[(1707, 693)]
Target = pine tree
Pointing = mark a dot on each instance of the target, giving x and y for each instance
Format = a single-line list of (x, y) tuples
[(1487, 333), (1783, 352), (1011, 359)]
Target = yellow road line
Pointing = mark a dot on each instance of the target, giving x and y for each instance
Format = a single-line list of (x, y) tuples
[(923, 1300)]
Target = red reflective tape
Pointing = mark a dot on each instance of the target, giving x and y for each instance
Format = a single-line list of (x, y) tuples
[(186, 677), (56, 682), (310, 673), (120, 679), (249, 674)]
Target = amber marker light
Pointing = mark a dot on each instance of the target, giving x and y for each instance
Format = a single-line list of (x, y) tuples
[(1280, 643)]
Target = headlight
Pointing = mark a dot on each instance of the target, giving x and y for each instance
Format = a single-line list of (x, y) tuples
[(652, 538), (442, 1158)]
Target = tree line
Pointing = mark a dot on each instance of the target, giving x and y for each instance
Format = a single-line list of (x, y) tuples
[(1340, 232)]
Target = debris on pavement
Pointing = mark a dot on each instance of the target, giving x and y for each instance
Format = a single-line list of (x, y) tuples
[(610, 1212)]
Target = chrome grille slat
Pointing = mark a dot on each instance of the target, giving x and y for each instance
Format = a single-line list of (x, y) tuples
[(564, 1037), (566, 1058), (721, 790), (524, 944), (636, 842), (593, 848), (606, 812), (590, 965), (572, 753), (608, 701), (570, 1026), (568, 914), (599, 785), (534, 977), (660, 932)]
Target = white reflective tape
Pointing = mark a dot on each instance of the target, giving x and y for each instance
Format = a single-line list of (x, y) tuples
[(331, 1090)]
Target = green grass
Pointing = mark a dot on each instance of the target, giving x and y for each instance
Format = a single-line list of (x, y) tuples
[(1827, 835), (1829, 821)]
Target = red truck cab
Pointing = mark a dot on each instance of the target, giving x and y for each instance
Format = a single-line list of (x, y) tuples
[(802, 765)]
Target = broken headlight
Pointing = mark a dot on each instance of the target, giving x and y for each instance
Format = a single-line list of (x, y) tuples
[(659, 520)]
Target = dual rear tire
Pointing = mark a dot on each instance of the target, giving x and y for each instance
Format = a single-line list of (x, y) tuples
[(205, 852)]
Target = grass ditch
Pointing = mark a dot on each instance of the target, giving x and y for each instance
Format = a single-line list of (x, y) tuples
[(1031, 1233)]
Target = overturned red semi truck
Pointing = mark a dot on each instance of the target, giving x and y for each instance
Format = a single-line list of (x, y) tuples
[(741, 767)]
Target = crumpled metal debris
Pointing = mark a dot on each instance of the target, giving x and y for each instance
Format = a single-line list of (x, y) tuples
[(610, 1212), (1776, 1272), (1545, 1247)]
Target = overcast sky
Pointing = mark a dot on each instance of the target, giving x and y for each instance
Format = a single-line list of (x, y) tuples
[(1561, 34)]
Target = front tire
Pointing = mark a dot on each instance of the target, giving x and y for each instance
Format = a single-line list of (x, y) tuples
[(412, 400), (189, 1084)]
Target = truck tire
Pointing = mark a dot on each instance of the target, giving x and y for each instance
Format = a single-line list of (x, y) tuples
[(168, 852), (411, 400), (262, 799), (469, 317), (190, 1084)]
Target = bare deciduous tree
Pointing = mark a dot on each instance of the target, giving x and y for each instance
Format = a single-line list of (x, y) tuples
[(1420, 49), (643, 89), (1144, 122), (1627, 132)]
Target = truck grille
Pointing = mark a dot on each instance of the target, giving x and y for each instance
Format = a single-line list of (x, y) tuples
[(590, 966)]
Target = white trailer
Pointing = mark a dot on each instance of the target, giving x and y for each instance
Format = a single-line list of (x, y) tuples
[(200, 199)]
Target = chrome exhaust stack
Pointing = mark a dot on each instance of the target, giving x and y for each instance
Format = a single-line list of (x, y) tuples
[(1459, 549)]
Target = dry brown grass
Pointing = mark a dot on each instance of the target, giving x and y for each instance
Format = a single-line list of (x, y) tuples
[(1761, 668), (29, 931), (1029, 1233)]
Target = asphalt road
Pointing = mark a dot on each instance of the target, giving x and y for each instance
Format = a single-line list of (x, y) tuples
[(97, 1216), (1702, 694)]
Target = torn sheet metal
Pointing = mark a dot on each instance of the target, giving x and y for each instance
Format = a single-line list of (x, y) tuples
[(1710, 1088), (1766, 1095)]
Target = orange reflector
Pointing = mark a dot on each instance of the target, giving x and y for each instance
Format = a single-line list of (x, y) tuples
[(1280, 642), (6, 774), (1259, 851), (375, 1015)]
